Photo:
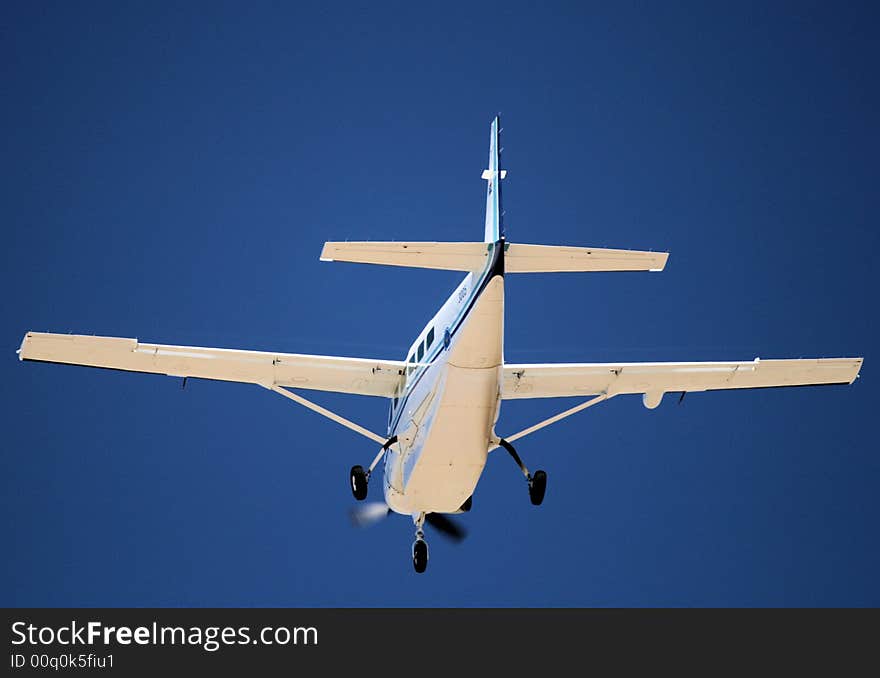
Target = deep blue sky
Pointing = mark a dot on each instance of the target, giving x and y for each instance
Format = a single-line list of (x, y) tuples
[(171, 174)]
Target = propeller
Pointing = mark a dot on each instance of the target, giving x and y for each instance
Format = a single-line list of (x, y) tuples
[(371, 512), (446, 526), (368, 513)]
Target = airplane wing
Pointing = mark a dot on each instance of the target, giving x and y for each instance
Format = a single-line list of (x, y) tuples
[(655, 379), (361, 376)]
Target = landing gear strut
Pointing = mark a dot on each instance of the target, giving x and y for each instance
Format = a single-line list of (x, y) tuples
[(420, 546), (537, 481), (359, 478)]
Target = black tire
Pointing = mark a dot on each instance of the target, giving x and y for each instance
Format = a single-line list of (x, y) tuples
[(358, 478), (420, 555), (537, 487)]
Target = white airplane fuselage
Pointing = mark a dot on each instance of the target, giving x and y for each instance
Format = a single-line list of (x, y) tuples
[(445, 415)]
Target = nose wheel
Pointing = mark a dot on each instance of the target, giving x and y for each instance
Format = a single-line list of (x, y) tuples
[(420, 546), (420, 555)]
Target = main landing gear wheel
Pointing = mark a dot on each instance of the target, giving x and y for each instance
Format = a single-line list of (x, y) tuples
[(359, 479), (358, 482), (420, 555), (537, 487), (537, 481)]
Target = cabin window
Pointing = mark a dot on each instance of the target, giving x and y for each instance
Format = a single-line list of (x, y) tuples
[(412, 366), (430, 338), (421, 350)]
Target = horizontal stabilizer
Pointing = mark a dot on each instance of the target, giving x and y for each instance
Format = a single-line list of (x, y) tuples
[(559, 259), (472, 256), (446, 256)]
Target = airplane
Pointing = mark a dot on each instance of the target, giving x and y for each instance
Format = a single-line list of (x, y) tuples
[(446, 396)]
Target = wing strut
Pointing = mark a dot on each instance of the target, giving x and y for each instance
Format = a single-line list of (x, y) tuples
[(295, 397), (552, 420)]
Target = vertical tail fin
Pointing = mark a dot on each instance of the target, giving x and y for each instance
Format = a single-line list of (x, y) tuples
[(494, 175)]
